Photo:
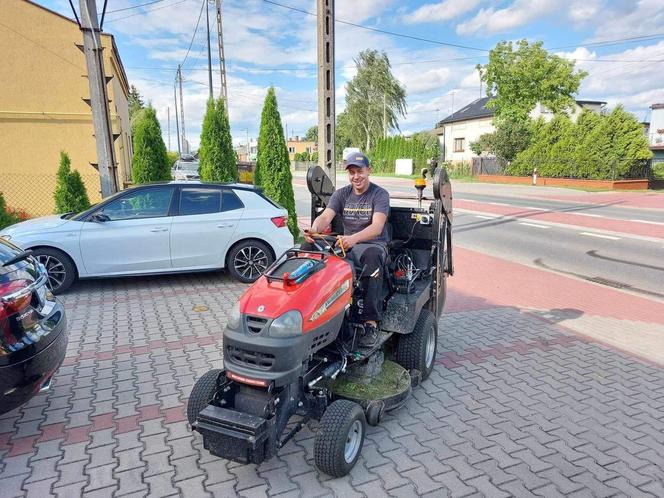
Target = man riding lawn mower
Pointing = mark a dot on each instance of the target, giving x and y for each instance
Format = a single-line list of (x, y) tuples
[(327, 333)]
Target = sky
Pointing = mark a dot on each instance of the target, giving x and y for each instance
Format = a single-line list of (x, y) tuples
[(433, 46)]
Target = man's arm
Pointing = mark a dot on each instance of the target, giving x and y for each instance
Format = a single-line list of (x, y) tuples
[(324, 220)]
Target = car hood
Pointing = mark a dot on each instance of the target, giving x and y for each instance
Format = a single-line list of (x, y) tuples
[(42, 223)]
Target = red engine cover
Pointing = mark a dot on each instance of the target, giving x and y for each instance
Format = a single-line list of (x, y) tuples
[(272, 298)]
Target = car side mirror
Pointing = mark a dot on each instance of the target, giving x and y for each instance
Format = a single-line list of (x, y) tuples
[(100, 218)]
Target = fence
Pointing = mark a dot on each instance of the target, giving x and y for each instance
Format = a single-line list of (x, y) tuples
[(33, 193), (302, 165), (486, 166)]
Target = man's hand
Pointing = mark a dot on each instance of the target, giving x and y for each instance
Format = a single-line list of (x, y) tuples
[(308, 237), (348, 241)]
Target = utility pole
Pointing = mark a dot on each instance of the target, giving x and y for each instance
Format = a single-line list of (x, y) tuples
[(326, 104), (94, 59), (177, 121), (168, 117), (248, 145), (222, 57), (185, 149), (207, 18)]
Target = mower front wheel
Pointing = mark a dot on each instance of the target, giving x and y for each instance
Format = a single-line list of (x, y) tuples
[(417, 350), (202, 393), (339, 440)]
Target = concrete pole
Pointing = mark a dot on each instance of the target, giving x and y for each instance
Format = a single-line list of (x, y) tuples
[(207, 19), (94, 59), (326, 104), (177, 121), (222, 57), (185, 149)]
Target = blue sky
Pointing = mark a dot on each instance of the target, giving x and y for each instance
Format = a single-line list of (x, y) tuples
[(267, 44)]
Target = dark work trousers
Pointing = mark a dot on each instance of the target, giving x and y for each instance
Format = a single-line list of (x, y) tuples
[(371, 257)]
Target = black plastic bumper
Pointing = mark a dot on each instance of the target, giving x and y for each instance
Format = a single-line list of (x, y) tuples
[(236, 436)]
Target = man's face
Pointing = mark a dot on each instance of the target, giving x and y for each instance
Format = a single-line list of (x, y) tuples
[(359, 177)]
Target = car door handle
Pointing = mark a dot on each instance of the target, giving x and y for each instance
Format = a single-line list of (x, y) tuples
[(225, 225), (159, 229)]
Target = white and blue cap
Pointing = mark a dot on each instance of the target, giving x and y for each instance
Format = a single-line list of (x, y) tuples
[(356, 159)]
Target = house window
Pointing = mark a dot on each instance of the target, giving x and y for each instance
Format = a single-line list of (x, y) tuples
[(291, 150), (458, 144)]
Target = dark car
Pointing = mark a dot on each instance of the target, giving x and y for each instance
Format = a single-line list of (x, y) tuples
[(33, 335)]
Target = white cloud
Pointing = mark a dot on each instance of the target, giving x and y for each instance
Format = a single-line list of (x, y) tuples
[(359, 11), (441, 11), (629, 19), (585, 11), (491, 21), (418, 81)]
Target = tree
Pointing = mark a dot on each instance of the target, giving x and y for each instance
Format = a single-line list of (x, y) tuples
[(272, 164), (135, 101), (510, 138), (312, 134), (218, 162), (538, 154), (150, 163), (517, 80), (374, 99), (70, 195), (6, 217), (342, 135)]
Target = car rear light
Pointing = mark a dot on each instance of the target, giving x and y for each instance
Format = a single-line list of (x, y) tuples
[(280, 221), (15, 296)]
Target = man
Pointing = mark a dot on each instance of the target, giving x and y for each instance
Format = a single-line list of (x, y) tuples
[(363, 207)]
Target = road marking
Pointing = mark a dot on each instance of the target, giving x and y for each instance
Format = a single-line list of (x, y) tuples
[(649, 222), (534, 208), (599, 235), (591, 215), (533, 225), (497, 203), (486, 217)]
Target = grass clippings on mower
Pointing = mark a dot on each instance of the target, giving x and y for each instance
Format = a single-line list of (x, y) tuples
[(392, 380)]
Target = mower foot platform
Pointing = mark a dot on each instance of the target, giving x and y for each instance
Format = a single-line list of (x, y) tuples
[(362, 353), (233, 435)]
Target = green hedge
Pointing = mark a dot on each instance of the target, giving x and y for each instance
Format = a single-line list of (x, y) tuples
[(596, 147), (419, 148)]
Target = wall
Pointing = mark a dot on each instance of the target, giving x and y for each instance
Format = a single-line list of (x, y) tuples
[(470, 131), (299, 146)]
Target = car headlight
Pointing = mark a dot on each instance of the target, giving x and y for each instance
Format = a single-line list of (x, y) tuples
[(234, 318), (287, 325)]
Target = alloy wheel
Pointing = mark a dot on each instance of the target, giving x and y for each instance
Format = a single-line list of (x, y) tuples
[(55, 269), (251, 262)]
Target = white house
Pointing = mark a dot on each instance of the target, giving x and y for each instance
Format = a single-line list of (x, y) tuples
[(656, 131), (458, 130)]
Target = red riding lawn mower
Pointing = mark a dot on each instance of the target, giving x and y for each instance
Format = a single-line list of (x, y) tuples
[(290, 347)]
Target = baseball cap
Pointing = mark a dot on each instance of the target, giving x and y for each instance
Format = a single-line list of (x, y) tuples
[(356, 159)]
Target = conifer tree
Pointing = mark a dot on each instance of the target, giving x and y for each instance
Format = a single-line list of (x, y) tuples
[(150, 163), (272, 165), (70, 194), (218, 162)]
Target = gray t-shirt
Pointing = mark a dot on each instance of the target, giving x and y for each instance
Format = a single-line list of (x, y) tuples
[(357, 211)]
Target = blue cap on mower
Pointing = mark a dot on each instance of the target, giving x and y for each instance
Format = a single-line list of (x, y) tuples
[(356, 159)]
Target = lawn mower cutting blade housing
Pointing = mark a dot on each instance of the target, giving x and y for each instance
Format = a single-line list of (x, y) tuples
[(291, 352)]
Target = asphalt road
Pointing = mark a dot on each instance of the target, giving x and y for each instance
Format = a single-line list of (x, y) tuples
[(619, 260)]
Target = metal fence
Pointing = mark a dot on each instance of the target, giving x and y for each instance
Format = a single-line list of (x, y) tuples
[(485, 166), (32, 193)]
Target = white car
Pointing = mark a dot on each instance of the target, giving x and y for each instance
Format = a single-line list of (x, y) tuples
[(185, 170), (160, 228)]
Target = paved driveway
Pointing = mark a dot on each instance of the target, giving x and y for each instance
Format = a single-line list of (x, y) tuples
[(516, 405)]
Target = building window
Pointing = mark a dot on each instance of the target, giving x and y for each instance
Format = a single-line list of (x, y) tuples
[(291, 150), (458, 144)]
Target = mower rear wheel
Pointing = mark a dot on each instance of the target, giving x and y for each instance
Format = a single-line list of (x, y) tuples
[(417, 350), (339, 440), (202, 393)]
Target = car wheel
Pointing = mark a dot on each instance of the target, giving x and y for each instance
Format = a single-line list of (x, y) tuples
[(248, 260), (60, 268), (339, 440)]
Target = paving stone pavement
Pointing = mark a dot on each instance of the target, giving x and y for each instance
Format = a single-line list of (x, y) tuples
[(516, 406)]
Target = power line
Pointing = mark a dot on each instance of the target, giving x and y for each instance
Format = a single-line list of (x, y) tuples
[(392, 33), (200, 14), (135, 6), (147, 10)]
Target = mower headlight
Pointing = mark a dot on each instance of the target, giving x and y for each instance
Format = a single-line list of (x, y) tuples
[(234, 318), (287, 325)]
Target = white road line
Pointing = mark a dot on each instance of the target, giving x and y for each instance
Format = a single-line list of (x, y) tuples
[(590, 215), (486, 217), (649, 222), (498, 203), (533, 225), (599, 235), (534, 208)]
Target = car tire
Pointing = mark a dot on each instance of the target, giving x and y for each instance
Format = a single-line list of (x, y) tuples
[(338, 442), (417, 350), (60, 268), (248, 260), (202, 393)]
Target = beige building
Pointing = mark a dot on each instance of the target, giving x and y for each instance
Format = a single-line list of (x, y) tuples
[(297, 146), (42, 86)]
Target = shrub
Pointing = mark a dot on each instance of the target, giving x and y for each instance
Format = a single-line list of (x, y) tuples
[(272, 164), (150, 163), (6, 216), (70, 194), (218, 161)]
